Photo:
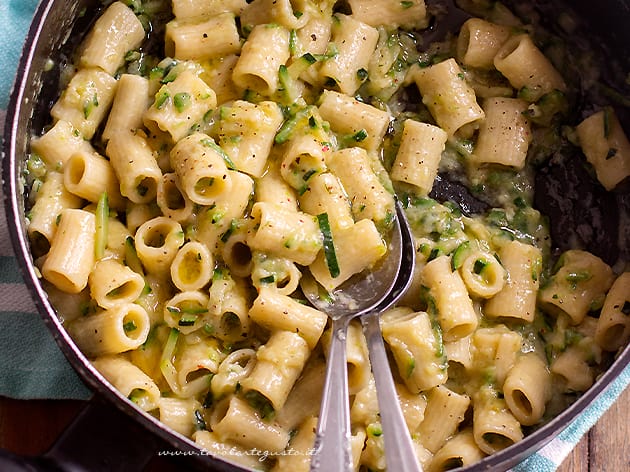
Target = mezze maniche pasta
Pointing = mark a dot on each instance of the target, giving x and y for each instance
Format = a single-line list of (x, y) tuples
[(180, 193)]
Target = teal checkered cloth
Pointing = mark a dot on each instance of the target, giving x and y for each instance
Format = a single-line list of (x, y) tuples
[(43, 372)]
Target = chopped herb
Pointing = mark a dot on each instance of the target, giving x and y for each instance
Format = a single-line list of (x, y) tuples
[(479, 266), (89, 105), (268, 280), (374, 429), (259, 402), (406, 5), (181, 101), (216, 148), (129, 326), (329, 246), (162, 99), (131, 256), (362, 75), (576, 277), (187, 319), (411, 365), (102, 221), (200, 423)]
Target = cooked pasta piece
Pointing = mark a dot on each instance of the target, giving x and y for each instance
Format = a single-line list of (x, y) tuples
[(200, 38), (117, 31), (112, 283), (578, 286), (527, 68), (517, 298), (613, 325), (455, 311), (447, 95), (417, 349), (75, 235), (606, 147), (419, 155), (505, 133), (86, 100), (355, 42), (121, 328), (129, 380)]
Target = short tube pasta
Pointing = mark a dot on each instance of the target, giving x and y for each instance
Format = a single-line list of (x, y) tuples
[(527, 389), (363, 123), (118, 329), (451, 101), (201, 169), (129, 380), (416, 348), (128, 107), (517, 298), (581, 281), (59, 143), (135, 166), (459, 451), (86, 100), (112, 283), (494, 426), (455, 311), (606, 147), (117, 31), (89, 176), (75, 235), (291, 234), (351, 258), (504, 134), (368, 196), (157, 242), (483, 274), (419, 155), (243, 424), (266, 49), (192, 266), (479, 41), (278, 364), (52, 199), (355, 41), (202, 38), (445, 411), (613, 324), (280, 312), (246, 133), (525, 66)]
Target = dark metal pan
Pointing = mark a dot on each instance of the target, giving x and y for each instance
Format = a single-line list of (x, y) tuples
[(111, 434)]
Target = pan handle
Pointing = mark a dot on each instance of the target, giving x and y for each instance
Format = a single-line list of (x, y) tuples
[(100, 439)]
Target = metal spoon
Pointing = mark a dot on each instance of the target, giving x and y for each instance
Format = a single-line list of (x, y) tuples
[(362, 294)]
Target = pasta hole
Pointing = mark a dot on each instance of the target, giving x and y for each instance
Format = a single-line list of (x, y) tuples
[(173, 198), (230, 323), (75, 170), (522, 402), (131, 324), (613, 336), (39, 244), (147, 188), (122, 291), (241, 254), (451, 463), (197, 374), (497, 441), (155, 238)]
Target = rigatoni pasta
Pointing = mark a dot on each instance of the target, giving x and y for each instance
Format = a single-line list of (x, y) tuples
[(186, 193)]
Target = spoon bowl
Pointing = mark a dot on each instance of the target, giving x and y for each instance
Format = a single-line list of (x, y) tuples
[(366, 294)]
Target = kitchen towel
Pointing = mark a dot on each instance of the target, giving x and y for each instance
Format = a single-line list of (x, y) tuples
[(44, 372)]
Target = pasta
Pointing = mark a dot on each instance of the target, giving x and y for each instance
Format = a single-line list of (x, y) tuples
[(178, 205)]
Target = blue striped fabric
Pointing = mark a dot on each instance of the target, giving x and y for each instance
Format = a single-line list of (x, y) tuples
[(31, 364)]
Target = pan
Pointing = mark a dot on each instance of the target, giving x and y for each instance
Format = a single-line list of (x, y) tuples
[(128, 438)]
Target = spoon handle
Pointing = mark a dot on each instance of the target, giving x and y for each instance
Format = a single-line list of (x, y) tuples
[(399, 451), (332, 441)]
